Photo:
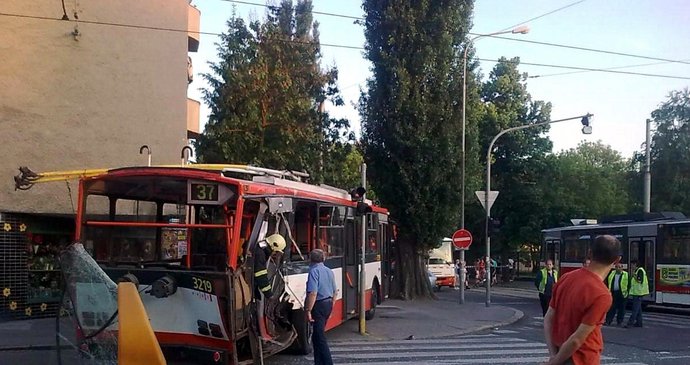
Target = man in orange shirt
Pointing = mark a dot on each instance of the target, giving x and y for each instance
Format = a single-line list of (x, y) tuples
[(572, 325)]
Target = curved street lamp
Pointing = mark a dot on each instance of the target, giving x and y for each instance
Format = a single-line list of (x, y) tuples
[(586, 129), (523, 29)]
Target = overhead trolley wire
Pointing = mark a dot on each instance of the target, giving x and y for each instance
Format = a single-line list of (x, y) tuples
[(542, 15), (133, 26), (607, 70), (578, 48)]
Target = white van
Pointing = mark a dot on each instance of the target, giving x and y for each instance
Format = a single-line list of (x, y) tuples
[(440, 264)]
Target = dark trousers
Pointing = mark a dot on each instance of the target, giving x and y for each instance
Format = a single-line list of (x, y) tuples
[(617, 308), (320, 313), (544, 300), (636, 315)]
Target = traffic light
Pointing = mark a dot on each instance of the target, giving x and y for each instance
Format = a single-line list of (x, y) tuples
[(494, 225), (357, 194), (362, 208), (586, 128)]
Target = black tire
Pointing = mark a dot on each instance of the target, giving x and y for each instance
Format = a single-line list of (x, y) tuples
[(371, 313), (302, 344)]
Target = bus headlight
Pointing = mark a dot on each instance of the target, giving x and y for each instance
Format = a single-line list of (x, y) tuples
[(164, 287)]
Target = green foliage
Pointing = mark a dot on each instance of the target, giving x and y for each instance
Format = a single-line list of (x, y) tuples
[(519, 158), (411, 114), (267, 94), (670, 155), (589, 181)]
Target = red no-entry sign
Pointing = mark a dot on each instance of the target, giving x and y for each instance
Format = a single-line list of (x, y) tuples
[(462, 239)]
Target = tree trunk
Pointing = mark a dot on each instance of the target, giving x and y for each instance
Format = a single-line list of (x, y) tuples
[(410, 274)]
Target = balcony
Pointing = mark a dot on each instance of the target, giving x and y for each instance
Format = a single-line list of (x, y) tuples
[(193, 21), (193, 107)]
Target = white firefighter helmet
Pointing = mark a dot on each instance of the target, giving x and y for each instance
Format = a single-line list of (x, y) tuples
[(276, 242)]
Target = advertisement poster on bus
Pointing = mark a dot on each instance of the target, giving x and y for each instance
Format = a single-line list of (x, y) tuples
[(674, 278)]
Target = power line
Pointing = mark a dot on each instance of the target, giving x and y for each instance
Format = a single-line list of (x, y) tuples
[(504, 38), (587, 49), (608, 68), (326, 44), (120, 25), (543, 15), (591, 69), (313, 12)]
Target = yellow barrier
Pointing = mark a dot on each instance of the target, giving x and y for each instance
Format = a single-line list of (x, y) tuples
[(137, 344)]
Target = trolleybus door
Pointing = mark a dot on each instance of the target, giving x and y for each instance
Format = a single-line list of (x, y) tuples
[(643, 250), (350, 277)]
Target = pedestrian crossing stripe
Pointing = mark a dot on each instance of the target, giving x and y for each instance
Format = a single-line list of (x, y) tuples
[(516, 344), (472, 349)]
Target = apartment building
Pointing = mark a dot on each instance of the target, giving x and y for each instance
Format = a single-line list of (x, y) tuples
[(84, 85)]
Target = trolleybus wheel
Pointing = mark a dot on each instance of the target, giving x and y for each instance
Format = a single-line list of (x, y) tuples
[(371, 313)]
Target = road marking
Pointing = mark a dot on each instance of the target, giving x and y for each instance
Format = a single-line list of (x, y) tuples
[(502, 332), (673, 357), (336, 349), (511, 352), (485, 349)]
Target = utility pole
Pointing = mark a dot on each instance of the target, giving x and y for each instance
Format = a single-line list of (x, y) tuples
[(647, 169), (362, 271)]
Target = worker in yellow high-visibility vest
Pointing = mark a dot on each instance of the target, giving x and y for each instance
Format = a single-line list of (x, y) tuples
[(639, 287), (618, 286), (545, 280)]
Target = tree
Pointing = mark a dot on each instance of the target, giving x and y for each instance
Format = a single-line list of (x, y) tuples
[(519, 158), (267, 94), (589, 181), (670, 155), (411, 123)]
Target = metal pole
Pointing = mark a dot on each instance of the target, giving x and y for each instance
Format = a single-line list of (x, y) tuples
[(647, 168), (362, 271), (462, 276), (518, 30), (487, 208), (462, 179)]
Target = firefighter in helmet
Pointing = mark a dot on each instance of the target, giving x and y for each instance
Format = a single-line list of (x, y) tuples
[(271, 245)]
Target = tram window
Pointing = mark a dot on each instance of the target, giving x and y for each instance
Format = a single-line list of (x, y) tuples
[(575, 249), (675, 245)]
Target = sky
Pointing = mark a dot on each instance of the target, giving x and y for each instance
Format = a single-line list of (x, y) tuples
[(620, 103)]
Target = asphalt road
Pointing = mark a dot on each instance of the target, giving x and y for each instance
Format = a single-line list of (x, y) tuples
[(665, 339)]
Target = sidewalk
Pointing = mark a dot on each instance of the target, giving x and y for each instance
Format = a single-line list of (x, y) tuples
[(33, 334), (398, 319)]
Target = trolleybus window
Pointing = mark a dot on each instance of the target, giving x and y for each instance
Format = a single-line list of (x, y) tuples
[(372, 233), (331, 226)]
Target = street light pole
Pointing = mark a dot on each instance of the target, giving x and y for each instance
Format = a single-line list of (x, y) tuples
[(487, 207), (647, 173), (519, 30)]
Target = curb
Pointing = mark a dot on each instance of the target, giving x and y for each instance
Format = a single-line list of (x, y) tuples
[(517, 315)]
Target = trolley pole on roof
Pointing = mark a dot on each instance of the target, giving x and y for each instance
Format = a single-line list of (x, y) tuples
[(362, 271)]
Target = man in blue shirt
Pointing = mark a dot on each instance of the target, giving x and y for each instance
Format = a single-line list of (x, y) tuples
[(321, 289)]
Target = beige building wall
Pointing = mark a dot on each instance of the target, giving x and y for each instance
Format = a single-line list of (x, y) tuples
[(89, 100)]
